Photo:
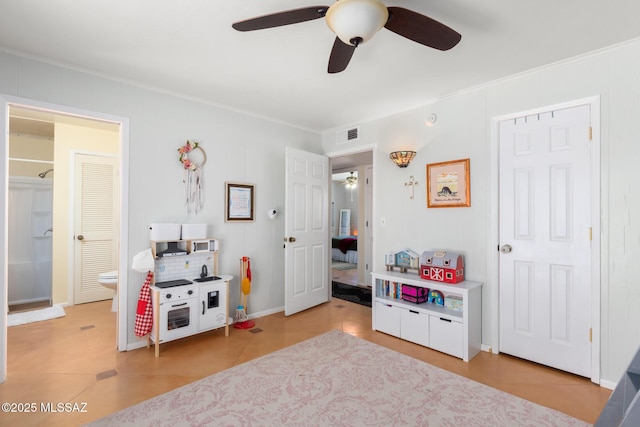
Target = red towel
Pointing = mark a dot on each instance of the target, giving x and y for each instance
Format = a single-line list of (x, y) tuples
[(144, 313)]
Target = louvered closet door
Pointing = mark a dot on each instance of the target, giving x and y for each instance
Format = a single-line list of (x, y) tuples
[(95, 225)]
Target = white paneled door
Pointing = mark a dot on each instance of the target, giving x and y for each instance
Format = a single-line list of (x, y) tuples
[(306, 228), (545, 239), (95, 226)]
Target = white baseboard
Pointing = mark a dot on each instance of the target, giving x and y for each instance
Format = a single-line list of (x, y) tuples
[(608, 384), (136, 345), (142, 342), (263, 313), (486, 348)]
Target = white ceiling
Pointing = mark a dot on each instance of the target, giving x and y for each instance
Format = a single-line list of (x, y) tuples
[(188, 47)]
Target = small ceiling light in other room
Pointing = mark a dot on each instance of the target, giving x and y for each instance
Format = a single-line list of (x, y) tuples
[(351, 182), (431, 120), (402, 158)]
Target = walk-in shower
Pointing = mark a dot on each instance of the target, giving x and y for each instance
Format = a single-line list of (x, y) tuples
[(29, 240)]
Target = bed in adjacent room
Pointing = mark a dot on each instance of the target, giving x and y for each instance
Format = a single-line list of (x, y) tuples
[(344, 249)]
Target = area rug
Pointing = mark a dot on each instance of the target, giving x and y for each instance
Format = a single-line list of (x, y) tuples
[(351, 293), (343, 266), (25, 317), (336, 379)]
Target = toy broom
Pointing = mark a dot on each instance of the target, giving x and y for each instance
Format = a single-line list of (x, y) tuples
[(240, 320)]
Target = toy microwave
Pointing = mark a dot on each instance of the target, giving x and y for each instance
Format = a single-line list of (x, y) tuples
[(203, 246)]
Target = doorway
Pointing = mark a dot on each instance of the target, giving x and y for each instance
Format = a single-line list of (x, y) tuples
[(66, 116), (351, 224), (548, 260), (345, 212)]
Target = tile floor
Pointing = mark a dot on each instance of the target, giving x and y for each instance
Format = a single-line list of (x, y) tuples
[(350, 277), (74, 359)]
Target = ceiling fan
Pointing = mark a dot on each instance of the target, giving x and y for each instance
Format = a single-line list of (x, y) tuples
[(355, 21), (351, 181)]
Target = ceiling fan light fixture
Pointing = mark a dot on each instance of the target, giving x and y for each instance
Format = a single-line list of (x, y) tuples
[(356, 21), (351, 181)]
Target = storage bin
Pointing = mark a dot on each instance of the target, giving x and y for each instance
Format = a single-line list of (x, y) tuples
[(453, 302), (446, 335), (388, 319), (194, 231), (414, 327), (415, 294), (164, 232)]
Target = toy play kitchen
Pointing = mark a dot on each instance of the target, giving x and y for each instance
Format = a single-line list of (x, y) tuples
[(186, 299)]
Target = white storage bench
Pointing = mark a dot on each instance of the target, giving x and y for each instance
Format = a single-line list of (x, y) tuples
[(457, 332)]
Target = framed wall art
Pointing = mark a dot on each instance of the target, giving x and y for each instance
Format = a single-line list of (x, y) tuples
[(448, 184), (239, 202)]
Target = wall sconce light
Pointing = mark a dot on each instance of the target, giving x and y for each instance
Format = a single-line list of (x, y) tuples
[(402, 158)]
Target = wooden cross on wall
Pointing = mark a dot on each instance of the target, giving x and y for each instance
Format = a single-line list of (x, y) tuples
[(411, 183)]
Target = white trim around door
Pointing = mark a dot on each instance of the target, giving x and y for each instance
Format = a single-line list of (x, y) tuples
[(5, 102), (596, 214)]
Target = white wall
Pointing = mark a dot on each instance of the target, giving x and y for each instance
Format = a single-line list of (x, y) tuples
[(249, 149), (239, 148), (463, 131)]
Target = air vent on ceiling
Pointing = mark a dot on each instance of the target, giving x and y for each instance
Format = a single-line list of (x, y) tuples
[(348, 135)]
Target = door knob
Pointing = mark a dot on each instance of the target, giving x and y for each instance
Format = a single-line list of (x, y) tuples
[(292, 239), (80, 237), (505, 249)]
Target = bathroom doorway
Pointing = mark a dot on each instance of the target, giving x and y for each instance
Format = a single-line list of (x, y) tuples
[(69, 117), (64, 139)]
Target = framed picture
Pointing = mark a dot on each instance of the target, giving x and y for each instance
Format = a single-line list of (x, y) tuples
[(239, 202), (448, 184)]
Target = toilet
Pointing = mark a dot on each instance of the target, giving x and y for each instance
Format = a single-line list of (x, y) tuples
[(110, 280)]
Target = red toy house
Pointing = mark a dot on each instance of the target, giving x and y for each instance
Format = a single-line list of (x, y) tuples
[(442, 267)]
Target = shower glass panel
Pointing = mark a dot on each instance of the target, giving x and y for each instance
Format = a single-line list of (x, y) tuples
[(29, 240)]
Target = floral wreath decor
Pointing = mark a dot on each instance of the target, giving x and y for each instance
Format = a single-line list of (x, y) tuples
[(192, 164), (188, 163)]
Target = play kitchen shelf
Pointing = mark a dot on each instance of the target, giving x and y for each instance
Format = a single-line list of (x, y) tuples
[(187, 296), (170, 248), (455, 330)]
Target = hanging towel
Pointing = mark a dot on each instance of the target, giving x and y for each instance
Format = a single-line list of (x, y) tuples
[(144, 313), (143, 261)]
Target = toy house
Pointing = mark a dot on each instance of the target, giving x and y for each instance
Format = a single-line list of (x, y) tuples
[(390, 260), (404, 260), (447, 267)]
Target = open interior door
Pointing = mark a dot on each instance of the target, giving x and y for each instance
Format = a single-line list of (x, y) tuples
[(307, 232)]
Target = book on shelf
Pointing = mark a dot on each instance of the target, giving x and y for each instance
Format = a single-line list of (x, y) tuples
[(390, 289)]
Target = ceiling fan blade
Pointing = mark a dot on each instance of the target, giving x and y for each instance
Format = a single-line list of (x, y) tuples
[(421, 29), (341, 54), (282, 18)]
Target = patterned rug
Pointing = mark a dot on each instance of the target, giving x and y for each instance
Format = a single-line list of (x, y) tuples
[(337, 379), (351, 293)]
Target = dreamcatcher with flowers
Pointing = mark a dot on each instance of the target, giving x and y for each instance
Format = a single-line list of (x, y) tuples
[(193, 159)]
